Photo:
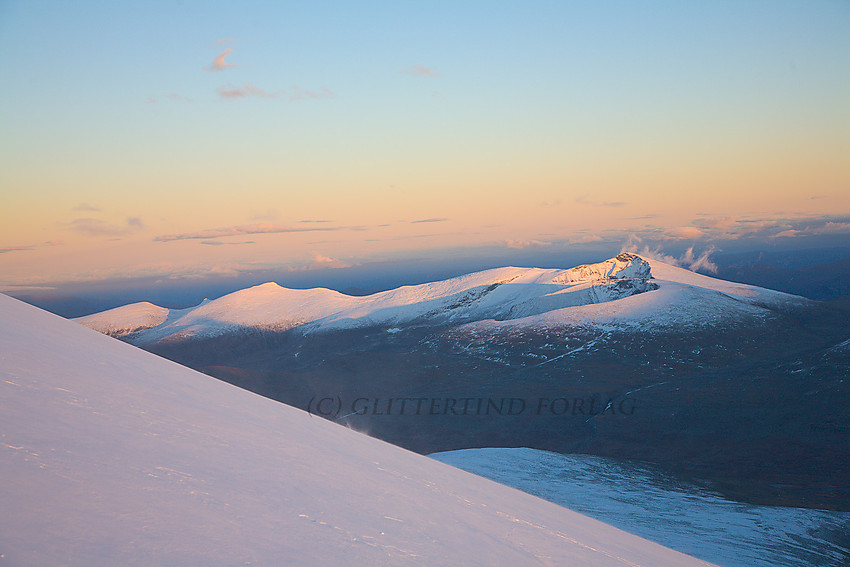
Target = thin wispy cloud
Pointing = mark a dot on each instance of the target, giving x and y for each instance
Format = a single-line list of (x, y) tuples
[(586, 200), (297, 93), (714, 222), (170, 97), (790, 233), (553, 203), (16, 249), (260, 228), (587, 238), (98, 228), (294, 93), (438, 219), (421, 71), (220, 243), (414, 236), (231, 92), (223, 41), (269, 215), (86, 207), (177, 97)]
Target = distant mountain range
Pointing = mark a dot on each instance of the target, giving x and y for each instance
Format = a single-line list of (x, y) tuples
[(738, 386), (612, 292)]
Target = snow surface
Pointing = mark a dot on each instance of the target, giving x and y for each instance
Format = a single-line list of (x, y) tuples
[(682, 516), (682, 299), (126, 319), (112, 456), (618, 290)]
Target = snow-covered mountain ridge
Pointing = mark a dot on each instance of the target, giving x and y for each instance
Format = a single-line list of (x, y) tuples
[(627, 288), (113, 456)]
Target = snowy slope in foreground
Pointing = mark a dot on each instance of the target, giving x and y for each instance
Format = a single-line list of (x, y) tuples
[(627, 288), (641, 500), (112, 456)]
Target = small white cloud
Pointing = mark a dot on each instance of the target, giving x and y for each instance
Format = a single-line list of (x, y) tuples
[(702, 262), (320, 259), (220, 63), (520, 244), (684, 233), (788, 233), (586, 239)]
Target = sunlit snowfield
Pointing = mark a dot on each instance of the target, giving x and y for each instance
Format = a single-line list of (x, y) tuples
[(684, 517)]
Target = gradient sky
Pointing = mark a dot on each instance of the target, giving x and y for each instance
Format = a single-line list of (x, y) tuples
[(186, 138)]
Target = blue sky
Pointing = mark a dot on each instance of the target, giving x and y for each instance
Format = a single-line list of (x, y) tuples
[(505, 123)]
